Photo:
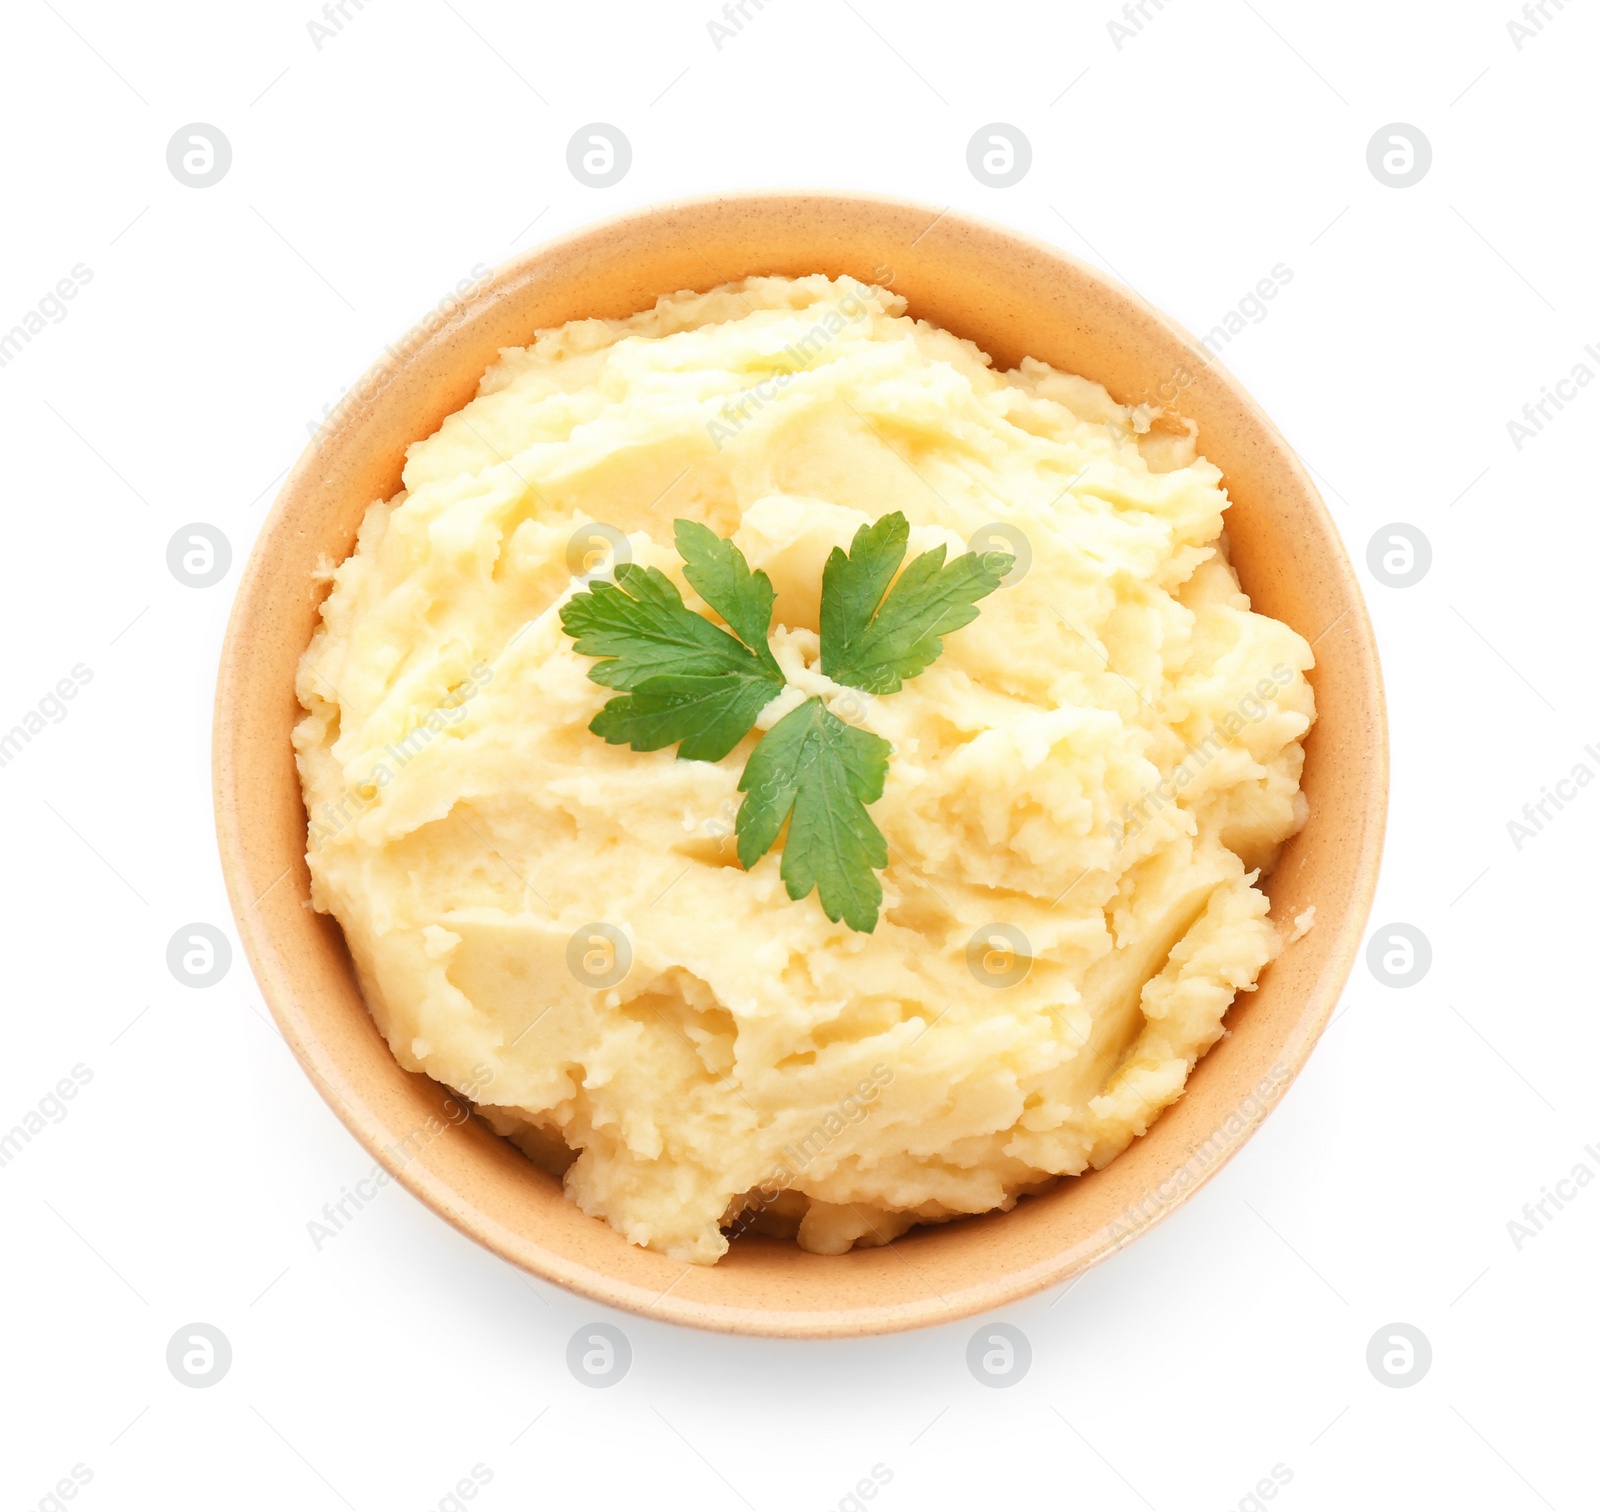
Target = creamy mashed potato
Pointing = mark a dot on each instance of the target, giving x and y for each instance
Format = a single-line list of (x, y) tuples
[(1084, 788)]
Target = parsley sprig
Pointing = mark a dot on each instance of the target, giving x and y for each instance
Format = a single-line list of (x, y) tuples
[(687, 682)]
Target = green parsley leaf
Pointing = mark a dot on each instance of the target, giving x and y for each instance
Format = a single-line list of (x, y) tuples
[(710, 715), (642, 627), (689, 680), (853, 585), (717, 571), (819, 773), (874, 641)]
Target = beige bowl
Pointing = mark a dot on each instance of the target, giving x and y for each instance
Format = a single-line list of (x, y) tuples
[(1015, 297)]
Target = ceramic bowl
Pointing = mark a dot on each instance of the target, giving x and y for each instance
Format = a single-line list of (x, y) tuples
[(1014, 297)]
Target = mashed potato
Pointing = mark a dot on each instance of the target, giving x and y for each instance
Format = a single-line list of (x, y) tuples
[(1084, 787)]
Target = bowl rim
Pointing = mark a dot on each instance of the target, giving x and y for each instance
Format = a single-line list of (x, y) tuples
[(311, 1053)]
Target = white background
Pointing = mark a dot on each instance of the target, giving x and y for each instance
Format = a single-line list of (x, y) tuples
[(368, 177)]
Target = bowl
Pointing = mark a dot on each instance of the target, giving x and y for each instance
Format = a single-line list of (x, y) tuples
[(1014, 297)]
